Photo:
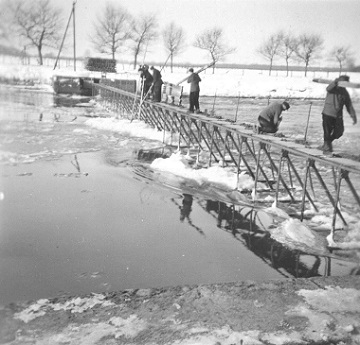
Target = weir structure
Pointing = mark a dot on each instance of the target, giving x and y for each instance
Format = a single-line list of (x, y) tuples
[(285, 172)]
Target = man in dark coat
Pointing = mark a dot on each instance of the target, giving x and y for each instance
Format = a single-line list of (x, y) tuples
[(146, 80), (156, 85), (270, 117), (194, 81), (332, 114)]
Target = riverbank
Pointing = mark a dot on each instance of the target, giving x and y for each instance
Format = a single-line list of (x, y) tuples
[(292, 311)]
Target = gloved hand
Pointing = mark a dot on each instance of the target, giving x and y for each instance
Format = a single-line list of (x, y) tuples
[(354, 121)]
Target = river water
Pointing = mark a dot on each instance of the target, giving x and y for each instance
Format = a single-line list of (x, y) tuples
[(82, 211)]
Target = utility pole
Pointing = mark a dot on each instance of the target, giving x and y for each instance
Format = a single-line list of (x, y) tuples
[(74, 39), (72, 14)]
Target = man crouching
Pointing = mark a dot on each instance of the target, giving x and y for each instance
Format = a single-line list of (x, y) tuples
[(270, 118)]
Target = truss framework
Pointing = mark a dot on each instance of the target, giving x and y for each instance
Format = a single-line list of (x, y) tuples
[(288, 171)]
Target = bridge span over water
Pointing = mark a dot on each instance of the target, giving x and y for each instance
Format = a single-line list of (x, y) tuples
[(285, 171)]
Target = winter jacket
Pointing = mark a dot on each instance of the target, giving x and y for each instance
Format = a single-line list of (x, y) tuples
[(148, 78), (157, 77), (194, 80), (335, 100), (272, 113)]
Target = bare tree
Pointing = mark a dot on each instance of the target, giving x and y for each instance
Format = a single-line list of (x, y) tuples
[(174, 40), (309, 46), (111, 30), (342, 55), (212, 40), (287, 48), (143, 31), (5, 22), (37, 22), (270, 48)]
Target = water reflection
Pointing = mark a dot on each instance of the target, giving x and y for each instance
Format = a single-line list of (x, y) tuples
[(76, 164), (84, 237), (241, 223), (245, 223), (185, 210)]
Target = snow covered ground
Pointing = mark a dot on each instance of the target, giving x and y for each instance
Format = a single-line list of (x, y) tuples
[(224, 82)]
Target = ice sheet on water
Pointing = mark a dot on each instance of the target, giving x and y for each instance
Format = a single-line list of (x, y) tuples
[(278, 212), (179, 164), (296, 235), (133, 128)]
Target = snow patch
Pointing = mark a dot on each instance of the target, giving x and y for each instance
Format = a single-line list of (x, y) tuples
[(333, 299), (129, 327), (75, 305), (133, 128), (179, 165)]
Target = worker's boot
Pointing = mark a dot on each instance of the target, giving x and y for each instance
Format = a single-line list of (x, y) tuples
[(327, 148)]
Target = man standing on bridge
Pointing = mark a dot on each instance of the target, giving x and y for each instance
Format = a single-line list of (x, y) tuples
[(270, 118), (194, 81), (156, 85), (147, 80), (332, 114)]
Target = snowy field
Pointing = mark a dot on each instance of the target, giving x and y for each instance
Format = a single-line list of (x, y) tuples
[(224, 82)]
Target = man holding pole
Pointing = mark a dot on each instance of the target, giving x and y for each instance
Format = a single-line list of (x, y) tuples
[(194, 81), (332, 114), (147, 80)]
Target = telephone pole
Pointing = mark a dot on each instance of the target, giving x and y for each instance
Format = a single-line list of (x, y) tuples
[(72, 14)]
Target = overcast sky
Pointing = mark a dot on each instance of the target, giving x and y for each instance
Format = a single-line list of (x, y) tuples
[(246, 23)]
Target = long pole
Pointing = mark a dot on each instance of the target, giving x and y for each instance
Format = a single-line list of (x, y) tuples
[(62, 42), (141, 88), (307, 124), (237, 108), (163, 66), (197, 72), (213, 107), (73, 11)]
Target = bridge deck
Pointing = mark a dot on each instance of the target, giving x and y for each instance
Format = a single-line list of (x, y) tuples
[(283, 143)]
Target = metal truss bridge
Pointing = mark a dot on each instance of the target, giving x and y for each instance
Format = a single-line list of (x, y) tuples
[(290, 173)]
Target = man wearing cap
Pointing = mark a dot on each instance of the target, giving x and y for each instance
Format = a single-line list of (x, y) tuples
[(332, 114), (194, 81), (147, 80), (270, 118)]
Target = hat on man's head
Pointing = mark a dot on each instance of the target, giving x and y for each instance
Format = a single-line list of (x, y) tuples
[(146, 66), (344, 78), (287, 105), (191, 70)]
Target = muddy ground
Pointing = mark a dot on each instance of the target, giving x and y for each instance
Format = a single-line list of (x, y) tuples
[(292, 311)]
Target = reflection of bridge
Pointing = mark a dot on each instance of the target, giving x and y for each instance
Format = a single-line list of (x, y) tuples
[(243, 226), (290, 171)]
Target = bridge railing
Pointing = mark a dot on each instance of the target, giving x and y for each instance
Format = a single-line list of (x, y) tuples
[(284, 172)]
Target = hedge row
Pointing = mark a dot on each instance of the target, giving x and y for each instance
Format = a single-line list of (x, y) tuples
[(101, 65)]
